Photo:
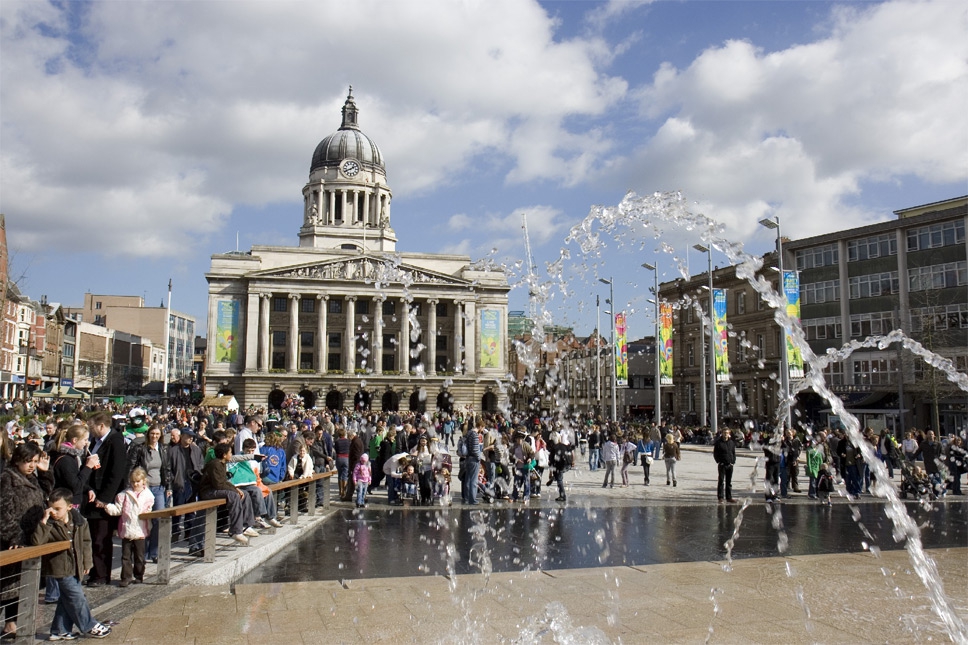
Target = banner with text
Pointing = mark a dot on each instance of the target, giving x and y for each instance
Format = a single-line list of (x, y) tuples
[(720, 336), (490, 353), (227, 331), (791, 286), (665, 344), (621, 351)]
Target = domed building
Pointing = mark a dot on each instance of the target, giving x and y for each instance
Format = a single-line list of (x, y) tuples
[(344, 319)]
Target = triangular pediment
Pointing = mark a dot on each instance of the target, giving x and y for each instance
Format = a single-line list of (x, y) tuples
[(364, 268)]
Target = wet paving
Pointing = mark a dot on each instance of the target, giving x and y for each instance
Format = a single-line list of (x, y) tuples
[(411, 542)]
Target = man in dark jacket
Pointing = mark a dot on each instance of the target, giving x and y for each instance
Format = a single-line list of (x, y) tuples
[(107, 481), (724, 452), (185, 463)]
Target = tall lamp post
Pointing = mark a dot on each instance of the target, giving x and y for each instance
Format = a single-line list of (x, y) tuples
[(611, 313), (658, 347), (714, 404), (774, 224)]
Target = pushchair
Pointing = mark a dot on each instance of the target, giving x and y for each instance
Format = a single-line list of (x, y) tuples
[(915, 482)]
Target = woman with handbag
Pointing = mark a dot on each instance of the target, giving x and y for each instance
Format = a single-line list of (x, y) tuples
[(647, 452)]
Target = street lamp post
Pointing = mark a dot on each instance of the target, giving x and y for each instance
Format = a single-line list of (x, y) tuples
[(658, 347), (784, 367), (714, 404), (611, 302)]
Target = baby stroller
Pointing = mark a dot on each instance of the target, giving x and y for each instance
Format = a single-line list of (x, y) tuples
[(915, 482)]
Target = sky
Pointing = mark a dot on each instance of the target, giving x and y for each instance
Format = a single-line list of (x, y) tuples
[(139, 138)]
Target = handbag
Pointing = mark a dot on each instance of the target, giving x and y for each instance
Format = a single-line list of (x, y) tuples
[(648, 459)]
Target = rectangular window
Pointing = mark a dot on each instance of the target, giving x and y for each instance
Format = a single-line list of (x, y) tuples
[(441, 343), (821, 256), (307, 305), (335, 339), (389, 307), (690, 354), (936, 235), (335, 306), (760, 347), (68, 351), (280, 304), (389, 362), (278, 360), (363, 307), (306, 338), (875, 372), (741, 345), (877, 284), (819, 292), (440, 363), (333, 363), (441, 309), (305, 360), (278, 339), (741, 302), (938, 276), (416, 308), (875, 246), (389, 342)]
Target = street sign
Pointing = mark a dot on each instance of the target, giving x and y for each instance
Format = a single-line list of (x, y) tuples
[(67, 382)]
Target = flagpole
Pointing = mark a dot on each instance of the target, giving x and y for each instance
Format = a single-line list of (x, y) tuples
[(164, 389)]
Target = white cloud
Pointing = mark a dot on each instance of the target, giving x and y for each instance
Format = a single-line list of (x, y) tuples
[(506, 232), (160, 118), (796, 132)]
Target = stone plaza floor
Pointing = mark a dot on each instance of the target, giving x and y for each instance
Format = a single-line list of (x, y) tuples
[(682, 591)]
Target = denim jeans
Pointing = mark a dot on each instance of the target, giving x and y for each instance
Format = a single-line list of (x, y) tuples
[(72, 608), (152, 550), (51, 590), (468, 489), (522, 482), (593, 459), (193, 528), (360, 493)]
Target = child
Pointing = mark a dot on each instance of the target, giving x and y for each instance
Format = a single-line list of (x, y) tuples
[(301, 464), (825, 485), (409, 482), (244, 475), (132, 530), (362, 479), (59, 523)]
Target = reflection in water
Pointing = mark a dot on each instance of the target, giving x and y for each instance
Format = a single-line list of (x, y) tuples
[(376, 544)]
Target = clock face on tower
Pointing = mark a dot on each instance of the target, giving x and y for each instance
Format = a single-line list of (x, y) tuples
[(350, 168)]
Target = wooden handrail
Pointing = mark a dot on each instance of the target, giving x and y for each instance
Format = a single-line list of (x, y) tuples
[(290, 483), (182, 509), (13, 556)]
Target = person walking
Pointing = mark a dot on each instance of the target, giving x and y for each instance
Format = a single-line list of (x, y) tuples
[(610, 453), (724, 452), (648, 452), (594, 446), (472, 465)]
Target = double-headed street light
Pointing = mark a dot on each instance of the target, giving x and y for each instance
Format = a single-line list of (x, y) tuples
[(658, 347), (714, 404), (774, 224), (611, 302)]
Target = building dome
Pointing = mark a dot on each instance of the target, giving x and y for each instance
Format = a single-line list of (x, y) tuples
[(348, 142)]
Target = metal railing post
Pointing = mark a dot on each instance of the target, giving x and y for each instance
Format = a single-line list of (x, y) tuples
[(164, 550), (29, 587), (211, 521)]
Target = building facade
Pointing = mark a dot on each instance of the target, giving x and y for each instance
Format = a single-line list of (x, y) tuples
[(909, 273), (345, 320)]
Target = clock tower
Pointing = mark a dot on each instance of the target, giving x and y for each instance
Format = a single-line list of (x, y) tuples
[(346, 202)]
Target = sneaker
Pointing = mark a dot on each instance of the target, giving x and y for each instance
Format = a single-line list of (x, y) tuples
[(250, 532), (196, 551), (674, 484), (63, 637), (261, 524), (99, 631), (241, 539), (275, 523)]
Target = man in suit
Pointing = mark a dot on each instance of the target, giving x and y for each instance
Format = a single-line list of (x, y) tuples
[(107, 480)]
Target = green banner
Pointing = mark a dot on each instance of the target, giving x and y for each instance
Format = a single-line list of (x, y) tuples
[(791, 287), (665, 344), (720, 336), (227, 331), (490, 353), (621, 351)]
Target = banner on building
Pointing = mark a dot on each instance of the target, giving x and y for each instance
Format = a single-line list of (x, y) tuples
[(621, 351), (791, 287), (490, 338), (227, 331), (665, 344), (720, 336)]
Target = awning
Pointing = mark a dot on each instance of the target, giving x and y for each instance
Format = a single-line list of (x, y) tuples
[(59, 392)]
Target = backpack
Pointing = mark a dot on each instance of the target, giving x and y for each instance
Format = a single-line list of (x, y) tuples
[(461, 447), (627, 457)]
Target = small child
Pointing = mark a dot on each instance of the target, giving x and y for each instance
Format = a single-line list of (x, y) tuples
[(244, 474), (301, 464), (132, 530), (63, 523), (825, 485), (362, 479), (409, 482)]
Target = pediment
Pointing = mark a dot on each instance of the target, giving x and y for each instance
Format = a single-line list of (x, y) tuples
[(366, 269)]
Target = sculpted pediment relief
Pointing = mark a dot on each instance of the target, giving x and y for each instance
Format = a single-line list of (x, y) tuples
[(362, 269)]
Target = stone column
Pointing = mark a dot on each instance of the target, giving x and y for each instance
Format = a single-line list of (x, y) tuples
[(349, 344), (431, 369), (458, 336), (366, 207), (252, 333), (378, 335), (470, 338), (342, 196), (264, 331), (331, 214), (322, 341), (403, 350), (293, 362), (320, 206)]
